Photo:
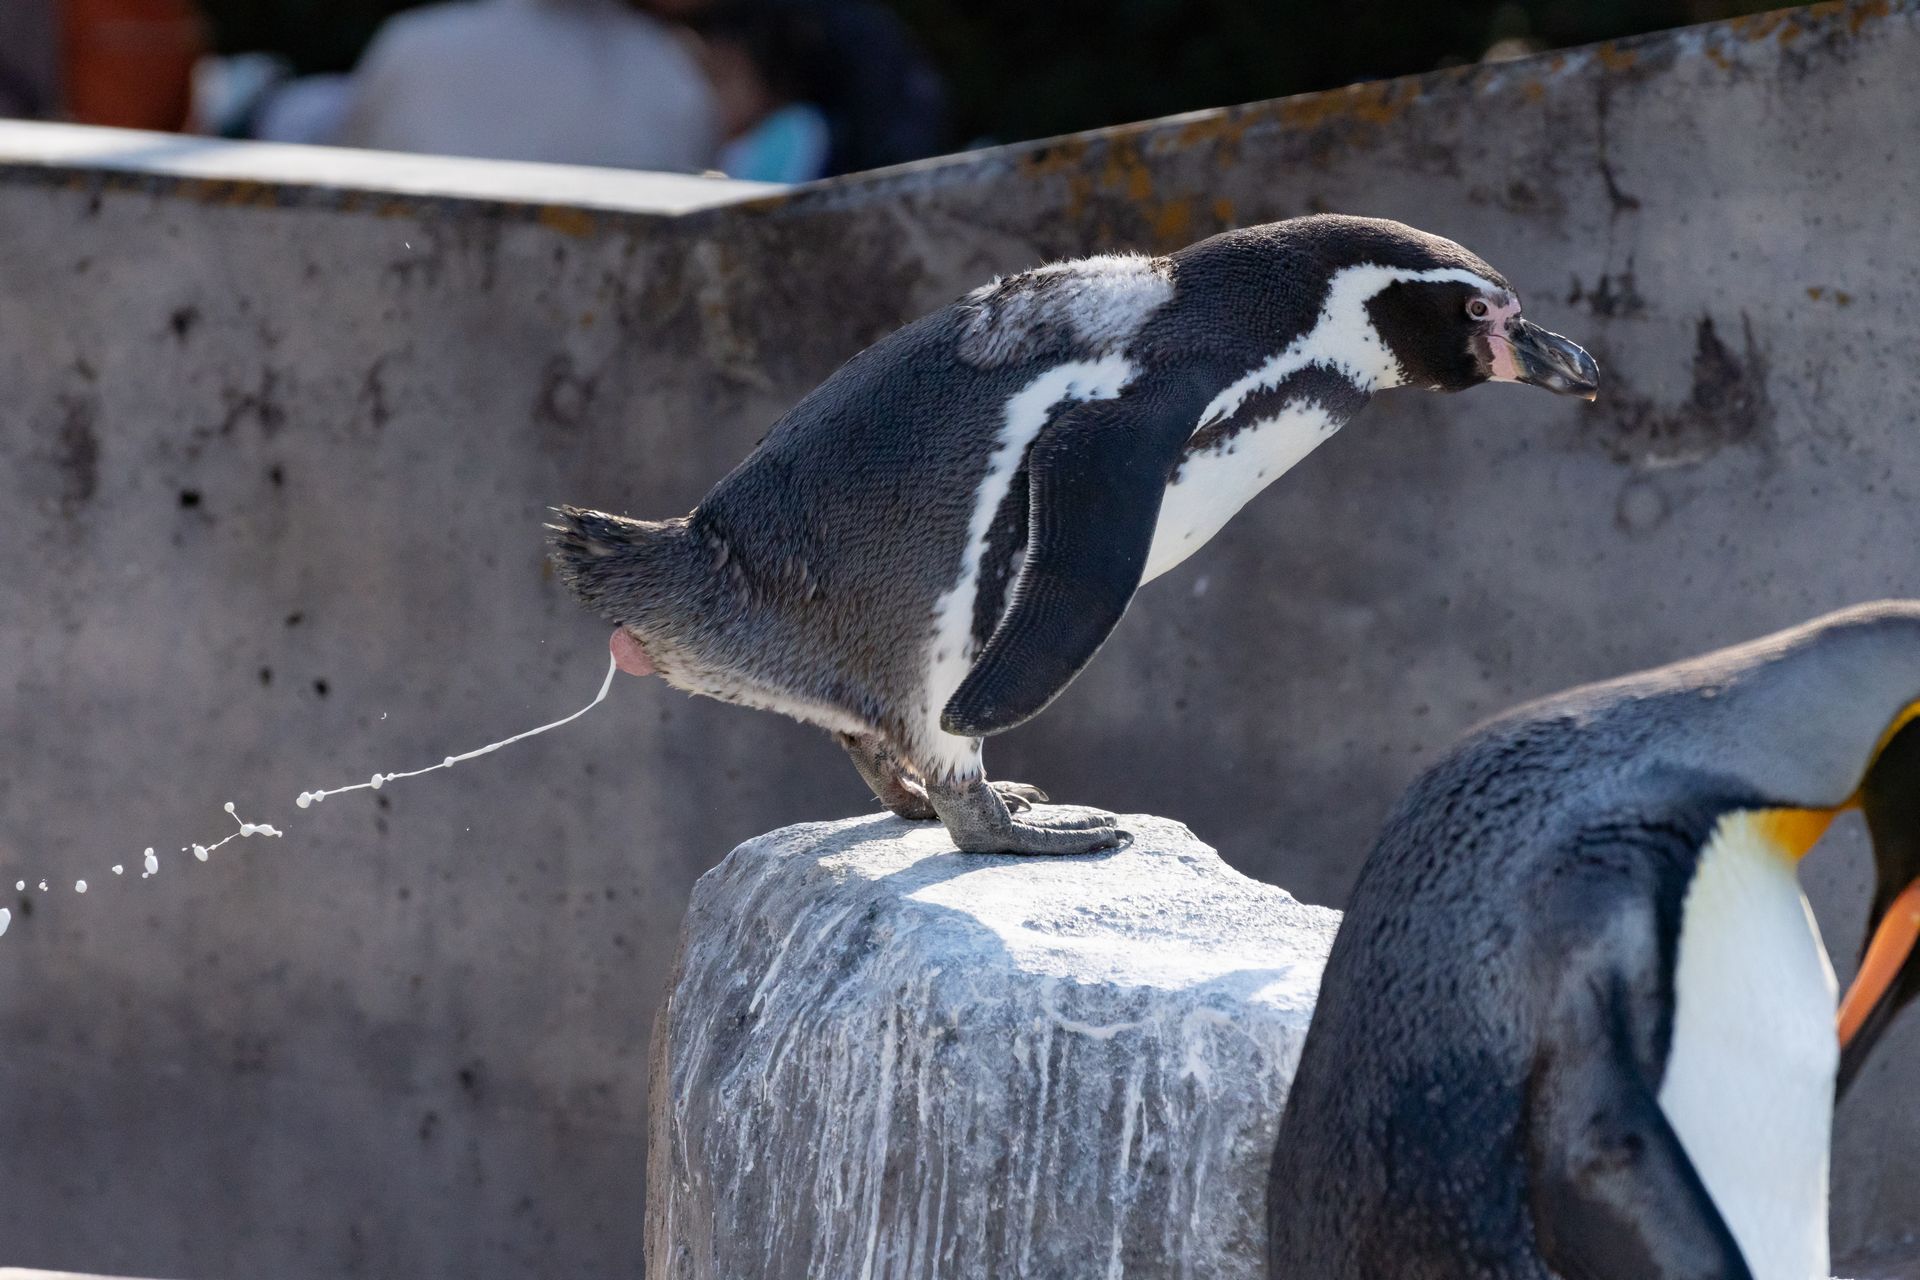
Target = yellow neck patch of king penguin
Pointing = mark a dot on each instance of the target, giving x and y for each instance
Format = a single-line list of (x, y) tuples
[(1791, 831)]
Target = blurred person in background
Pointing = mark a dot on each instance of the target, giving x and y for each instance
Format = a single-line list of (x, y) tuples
[(855, 61), (568, 81), (756, 58), (29, 59)]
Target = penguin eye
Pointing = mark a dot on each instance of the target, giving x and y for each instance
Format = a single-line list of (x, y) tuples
[(1478, 308)]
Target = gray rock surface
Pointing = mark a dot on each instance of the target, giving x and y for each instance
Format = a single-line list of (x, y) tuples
[(883, 1058)]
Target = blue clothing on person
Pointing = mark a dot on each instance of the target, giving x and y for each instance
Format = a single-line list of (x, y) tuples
[(789, 145)]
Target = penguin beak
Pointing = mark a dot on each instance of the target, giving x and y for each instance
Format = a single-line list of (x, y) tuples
[(1889, 968), (1542, 359)]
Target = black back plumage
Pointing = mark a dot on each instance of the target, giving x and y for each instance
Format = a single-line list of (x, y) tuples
[(1405, 1145)]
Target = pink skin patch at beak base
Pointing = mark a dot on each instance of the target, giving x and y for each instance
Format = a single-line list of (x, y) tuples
[(1504, 366), (628, 655)]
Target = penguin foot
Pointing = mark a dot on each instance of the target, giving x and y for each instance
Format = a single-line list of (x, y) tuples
[(888, 777), (900, 789), (977, 817), (905, 797)]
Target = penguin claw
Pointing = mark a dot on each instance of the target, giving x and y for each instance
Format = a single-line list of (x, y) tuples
[(1019, 796)]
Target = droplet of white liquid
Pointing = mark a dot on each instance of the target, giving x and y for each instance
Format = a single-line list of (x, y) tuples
[(447, 763), (43, 886), (228, 806), (304, 799), (200, 852), (377, 782), (152, 864), (20, 885), (118, 869), (6, 918), (79, 886)]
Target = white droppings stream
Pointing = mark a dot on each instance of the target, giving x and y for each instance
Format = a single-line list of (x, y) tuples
[(150, 861), (379, 780)]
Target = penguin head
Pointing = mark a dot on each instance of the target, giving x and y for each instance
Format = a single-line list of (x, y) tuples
[(1452, 322), (1396, 306), (1810, 723)]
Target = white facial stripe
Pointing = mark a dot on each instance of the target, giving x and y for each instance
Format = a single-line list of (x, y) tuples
[(1343, 338), (950, 653)]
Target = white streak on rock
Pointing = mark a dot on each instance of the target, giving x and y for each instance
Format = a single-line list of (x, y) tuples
[(888, 1060)]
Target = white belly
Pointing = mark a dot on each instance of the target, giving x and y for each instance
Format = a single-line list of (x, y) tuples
[(1749, 1081), (1212, 486)]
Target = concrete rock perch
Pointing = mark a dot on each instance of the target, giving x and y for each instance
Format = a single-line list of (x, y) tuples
[(884, 1059)]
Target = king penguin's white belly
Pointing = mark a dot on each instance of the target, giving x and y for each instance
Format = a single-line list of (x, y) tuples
[(1749, 1081), (1213, 485)]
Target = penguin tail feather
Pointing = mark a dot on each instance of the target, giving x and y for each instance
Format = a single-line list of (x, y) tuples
[(614, 565)]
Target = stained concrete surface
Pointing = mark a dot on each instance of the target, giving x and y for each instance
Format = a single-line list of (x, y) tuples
[(273, 458)]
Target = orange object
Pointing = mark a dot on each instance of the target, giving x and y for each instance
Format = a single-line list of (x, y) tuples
[(1892, 944), (129, 62)]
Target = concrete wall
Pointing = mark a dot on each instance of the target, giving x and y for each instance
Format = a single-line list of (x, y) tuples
[(273, 456)]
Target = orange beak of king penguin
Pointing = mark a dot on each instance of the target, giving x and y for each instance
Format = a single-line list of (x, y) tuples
[(1889, 977)]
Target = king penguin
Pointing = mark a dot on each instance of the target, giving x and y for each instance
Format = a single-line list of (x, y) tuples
[(1578, 1021), (927, 548)]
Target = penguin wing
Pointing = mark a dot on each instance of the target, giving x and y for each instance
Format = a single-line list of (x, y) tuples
[(1096, 475), (1614, 1195)]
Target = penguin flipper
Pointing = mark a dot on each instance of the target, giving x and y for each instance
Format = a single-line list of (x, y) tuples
[(1096, 476), (1614, 1195)]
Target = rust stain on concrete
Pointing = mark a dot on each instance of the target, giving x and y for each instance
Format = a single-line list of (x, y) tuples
[(1759, 26), (1377, 102), (567, 220), (1173, 225), (1611, 56), (1061, 156), (1859, 15)]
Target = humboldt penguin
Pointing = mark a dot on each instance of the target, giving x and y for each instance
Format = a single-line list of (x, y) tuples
[(927, 548), (1578, 1021)]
